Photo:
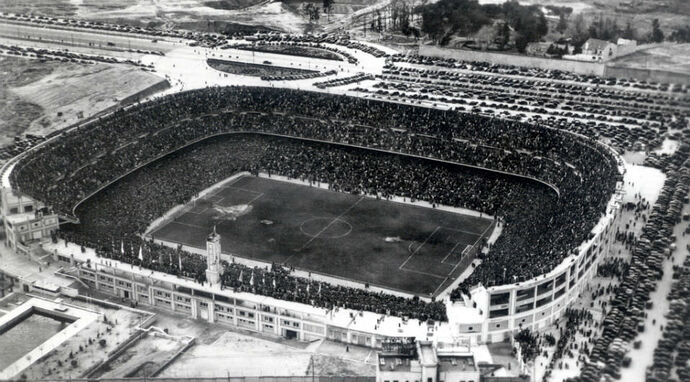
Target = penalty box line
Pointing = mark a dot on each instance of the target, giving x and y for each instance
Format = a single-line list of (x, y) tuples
[(259, 194), (213, 194), (475, 243), (420, 247)]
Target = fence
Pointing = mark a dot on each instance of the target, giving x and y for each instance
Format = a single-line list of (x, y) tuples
[(655, 75)]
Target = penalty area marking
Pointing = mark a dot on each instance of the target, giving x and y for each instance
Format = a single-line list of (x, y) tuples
[(451, 252), (470, 246), (420, 247)]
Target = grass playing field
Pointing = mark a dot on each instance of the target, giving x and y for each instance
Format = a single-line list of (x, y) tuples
[(388, 244)]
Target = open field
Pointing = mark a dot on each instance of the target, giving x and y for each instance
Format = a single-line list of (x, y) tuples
[(220, 351), (668, 56), (392, 245), (142, 358), (202, 15), (41, 97), (17, 113)]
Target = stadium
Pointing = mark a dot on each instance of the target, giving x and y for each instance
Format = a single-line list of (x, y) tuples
[(430, 223)]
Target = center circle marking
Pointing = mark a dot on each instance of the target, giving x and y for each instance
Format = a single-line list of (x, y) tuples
[(326, 228)]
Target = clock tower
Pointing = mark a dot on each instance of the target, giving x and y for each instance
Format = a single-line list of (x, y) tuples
[(213, 258)]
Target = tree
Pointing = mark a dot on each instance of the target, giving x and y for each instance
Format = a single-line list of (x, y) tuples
[(657, 34), (503, 34), (562, 23), (579, 25), (629, 32), (327, 8), (312, 11)]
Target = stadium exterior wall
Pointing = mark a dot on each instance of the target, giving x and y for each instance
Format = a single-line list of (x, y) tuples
[(537, 303), (579, 67)]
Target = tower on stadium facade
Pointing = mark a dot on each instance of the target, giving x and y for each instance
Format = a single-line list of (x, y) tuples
[(213, 258)]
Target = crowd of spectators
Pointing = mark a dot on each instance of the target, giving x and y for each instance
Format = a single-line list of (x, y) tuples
[(562, 183)]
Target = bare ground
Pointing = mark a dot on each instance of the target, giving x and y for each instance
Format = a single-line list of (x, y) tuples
[(39, 98), (58, 363), (17, 113)]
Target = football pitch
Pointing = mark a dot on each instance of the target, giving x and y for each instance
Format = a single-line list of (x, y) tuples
[(387, 244)]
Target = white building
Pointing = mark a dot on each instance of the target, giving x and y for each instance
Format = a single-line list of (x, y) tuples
[(423, 361), (595, 50)]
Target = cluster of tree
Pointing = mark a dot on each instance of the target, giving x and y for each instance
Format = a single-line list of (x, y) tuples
[(311, 11), (681, 34), (606, 28), (446, 18), (401, 18), (397, 16)]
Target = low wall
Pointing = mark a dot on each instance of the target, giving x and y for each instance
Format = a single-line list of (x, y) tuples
[(145, 93), (579, 67)]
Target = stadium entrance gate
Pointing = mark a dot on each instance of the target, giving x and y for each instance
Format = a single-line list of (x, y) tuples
[(290, 334)]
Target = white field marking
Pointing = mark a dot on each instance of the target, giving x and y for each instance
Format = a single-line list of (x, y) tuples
[(424, 273), (420, 247), (212, 195), (187, 224), (243, 189), (255, 198), (459, 230), (207, 208), (439, 286), (337, 218), (475, 243), (451, 252)]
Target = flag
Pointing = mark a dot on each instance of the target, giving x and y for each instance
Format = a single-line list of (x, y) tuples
[(169, 258), (274, 283), (141, 254), (319, 288), (179, 261), (251, 279), (240, 277), (122, 247), (308, 287)]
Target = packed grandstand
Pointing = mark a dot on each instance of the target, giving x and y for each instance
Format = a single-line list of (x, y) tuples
[(548, 186)]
